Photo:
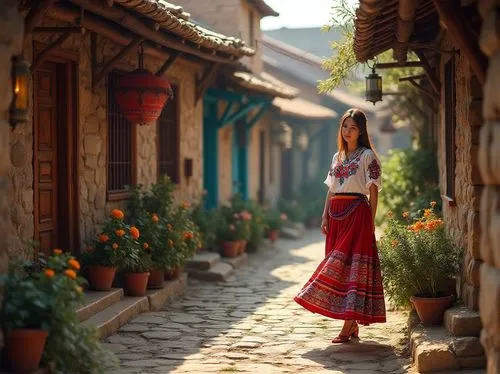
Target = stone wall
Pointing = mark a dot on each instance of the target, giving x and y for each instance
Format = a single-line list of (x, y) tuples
[(11, 35), (92, 135), (489, 156), (462, 218), (255, 62)]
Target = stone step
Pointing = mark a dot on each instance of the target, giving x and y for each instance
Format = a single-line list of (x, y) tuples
[(171, 290), (291, 233), (461, 321), (96, 301), (433, 349), (203, 261), (236, 262), (109, 320), (220, 272)]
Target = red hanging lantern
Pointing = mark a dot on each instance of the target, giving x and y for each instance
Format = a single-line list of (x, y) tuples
[(141, 95)]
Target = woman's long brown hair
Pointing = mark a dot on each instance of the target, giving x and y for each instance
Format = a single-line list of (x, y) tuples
[(364, 139)]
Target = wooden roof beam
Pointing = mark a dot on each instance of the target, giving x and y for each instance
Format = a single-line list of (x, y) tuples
[(404, 28), (430, 72), (36, 15), (136, 26), (449, 13), (393, 65)]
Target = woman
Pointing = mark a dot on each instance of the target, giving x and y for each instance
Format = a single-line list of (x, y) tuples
[(347, 284)]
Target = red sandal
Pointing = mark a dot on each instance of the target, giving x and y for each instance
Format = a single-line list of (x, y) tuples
[(353, 333)]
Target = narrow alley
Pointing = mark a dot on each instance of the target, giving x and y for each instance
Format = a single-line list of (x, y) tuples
[(251, 324)]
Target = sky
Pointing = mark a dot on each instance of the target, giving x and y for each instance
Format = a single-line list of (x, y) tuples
[(299, 13)]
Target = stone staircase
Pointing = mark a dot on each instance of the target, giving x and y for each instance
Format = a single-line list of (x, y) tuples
[(210, 266), (449, 348), (110, 310)]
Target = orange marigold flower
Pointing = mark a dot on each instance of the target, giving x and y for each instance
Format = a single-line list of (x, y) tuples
[(134, 231), (169, 226), (188, 235), (74, 264), (394, 243), (186, 204), (57, 251), (117, 214), (170, 243), (70, 273), (145, 245), (155, 217), (390, 214), (120, 233), (433, 203), (49, 273), (427, 213), (103, 238), (406, 214), (114, 246)]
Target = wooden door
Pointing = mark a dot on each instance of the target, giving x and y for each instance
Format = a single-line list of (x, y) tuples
[(45, 157), (55, 167), (286, 173)]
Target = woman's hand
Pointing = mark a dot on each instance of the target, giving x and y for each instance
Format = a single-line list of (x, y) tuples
[(324, 225)]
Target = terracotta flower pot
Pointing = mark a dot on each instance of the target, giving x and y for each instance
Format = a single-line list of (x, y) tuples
[(135, 283), (24, 349), (101, 277), (273, 235), (231, 249), (431, 310), (173, 273), (156, 277), (243, 245)]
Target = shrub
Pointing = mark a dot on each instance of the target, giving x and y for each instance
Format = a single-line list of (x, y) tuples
[(292, 209), (417, 257), (410, 181)]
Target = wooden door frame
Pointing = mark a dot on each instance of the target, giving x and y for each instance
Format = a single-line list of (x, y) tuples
[(67, 89)]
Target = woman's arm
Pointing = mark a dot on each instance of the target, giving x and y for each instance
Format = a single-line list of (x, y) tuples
[(324, 217), (373, 201)]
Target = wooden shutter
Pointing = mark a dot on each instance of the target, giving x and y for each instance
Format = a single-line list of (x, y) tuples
[(168, 139), (121, 147)]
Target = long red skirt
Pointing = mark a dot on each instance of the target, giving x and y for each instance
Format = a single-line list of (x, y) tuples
[(347, 284)]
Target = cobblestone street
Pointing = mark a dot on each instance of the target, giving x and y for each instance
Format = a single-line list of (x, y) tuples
[(251, 324)]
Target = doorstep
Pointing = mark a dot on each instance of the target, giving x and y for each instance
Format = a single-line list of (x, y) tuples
[(110, 310), (218, 273), (434, 349), (236, 262)]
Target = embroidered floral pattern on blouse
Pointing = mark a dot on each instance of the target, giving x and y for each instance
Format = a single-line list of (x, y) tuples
[(374, 170), (346, 169)]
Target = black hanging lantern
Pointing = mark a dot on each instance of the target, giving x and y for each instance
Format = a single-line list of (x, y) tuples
[(373, 87), (20, 87)]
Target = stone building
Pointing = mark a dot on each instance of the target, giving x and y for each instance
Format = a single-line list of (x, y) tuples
[(71, 161), (458, 88)]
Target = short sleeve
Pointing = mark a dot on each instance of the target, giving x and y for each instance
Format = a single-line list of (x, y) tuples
[(329, 177), (373, 170)]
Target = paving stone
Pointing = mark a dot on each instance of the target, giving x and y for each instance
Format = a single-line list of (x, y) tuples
[(461, 321), (162, 334), (250, 324)]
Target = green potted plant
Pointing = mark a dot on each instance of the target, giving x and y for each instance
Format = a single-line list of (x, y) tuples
[(418, 259), (104, 256), (33, 294), (183, 237), (274, 221)]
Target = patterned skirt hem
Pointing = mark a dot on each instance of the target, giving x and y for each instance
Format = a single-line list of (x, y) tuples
[(347, 316)]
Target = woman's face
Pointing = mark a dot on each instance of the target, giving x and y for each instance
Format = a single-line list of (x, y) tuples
[(350, 131)]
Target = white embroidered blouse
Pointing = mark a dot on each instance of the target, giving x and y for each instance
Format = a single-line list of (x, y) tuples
[(355, 174)]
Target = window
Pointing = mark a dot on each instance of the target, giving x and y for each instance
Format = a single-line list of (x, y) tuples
[(121, 147), (251, 33), (168, 139), (450, 126)]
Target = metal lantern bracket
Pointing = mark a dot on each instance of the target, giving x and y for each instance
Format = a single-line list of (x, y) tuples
[(97, 76)]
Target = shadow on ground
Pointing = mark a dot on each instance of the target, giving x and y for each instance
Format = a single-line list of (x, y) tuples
[(248, 324)]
